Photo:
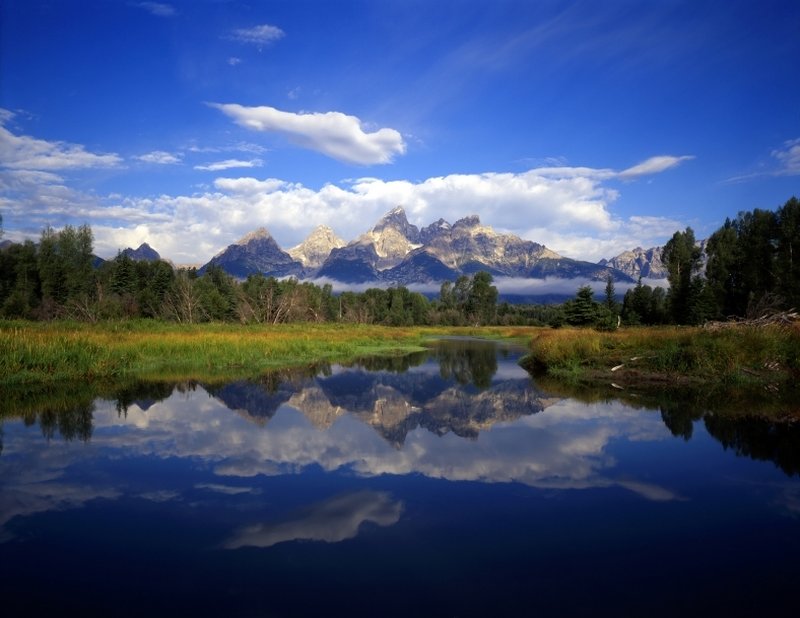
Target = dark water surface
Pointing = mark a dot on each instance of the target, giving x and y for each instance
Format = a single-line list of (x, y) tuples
[(441, 484)]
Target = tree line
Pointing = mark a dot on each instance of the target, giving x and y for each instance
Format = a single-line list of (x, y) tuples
[(752, 264), (59, 277)]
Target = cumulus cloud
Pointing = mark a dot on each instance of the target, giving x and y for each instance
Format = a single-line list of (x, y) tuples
[(29, 153), (258, 35), (568, 211), (334, 134), (229, 164), (160, 157)]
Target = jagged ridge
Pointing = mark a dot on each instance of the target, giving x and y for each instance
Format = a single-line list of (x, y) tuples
[(396, 252)]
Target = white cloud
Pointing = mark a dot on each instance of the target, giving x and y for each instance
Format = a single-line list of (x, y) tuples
[(653, 165), (334, 134), (233, 61), (158, 8), (29, 153), (248, 147), (229, 164), (569, 212), (569, 209), (789, 158), (258, 35), (788, 164), (160, 157)]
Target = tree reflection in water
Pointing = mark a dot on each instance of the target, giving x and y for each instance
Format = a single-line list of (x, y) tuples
[(459, 398)]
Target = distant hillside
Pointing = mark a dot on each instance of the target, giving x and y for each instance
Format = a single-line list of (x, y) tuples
[(144, 253)]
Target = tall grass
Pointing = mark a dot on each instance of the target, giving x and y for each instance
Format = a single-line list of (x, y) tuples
[(35, 351), (729, 354)]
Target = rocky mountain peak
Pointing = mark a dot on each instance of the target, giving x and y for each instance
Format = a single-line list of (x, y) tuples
[(471, 221), (256, 252), (143, 253), (396, 219), (316, 248), (434, 230), (639, 262), (397, 252), (393, 237), (260, 234)]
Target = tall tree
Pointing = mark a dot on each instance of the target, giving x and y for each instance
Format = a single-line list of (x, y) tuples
[(51, 272), (582, 310), (757, 241), (681, 255), (482, 298), (723, 271), (20, 289), (788, 252)]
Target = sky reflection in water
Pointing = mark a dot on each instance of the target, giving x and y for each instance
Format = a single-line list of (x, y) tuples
[(452, 461)]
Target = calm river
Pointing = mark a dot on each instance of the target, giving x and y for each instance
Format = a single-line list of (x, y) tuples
[(441, 484)]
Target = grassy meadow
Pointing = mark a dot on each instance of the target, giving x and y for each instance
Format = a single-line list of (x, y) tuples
[(48, 352), (59, 351)]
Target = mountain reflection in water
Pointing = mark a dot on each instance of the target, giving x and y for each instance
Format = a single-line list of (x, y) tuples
[(417, 471), (456, 387)]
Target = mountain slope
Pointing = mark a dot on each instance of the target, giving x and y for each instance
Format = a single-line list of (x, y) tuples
[(255, 253), (638, 262), (646, 263), (316, 248), (144, 253), (396, 252), (381, 248)]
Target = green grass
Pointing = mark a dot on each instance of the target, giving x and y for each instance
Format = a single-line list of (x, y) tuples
[(58, 351)]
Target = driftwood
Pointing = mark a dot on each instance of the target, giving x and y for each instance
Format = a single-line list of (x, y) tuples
[(781, 319), (632, 358)]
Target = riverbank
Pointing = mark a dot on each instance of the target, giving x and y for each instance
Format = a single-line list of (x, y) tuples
[(669, 356), (657, 357), (58, 351)]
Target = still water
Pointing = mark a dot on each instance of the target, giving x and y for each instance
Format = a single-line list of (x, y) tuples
[(445, 484)]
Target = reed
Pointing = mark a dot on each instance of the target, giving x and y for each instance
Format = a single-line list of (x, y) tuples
[(735, 355), (57, 351)]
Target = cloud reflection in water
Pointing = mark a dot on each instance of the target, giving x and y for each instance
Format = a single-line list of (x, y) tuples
[(333, 520)]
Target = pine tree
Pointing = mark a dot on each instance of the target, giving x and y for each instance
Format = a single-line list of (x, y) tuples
[(681, 255)]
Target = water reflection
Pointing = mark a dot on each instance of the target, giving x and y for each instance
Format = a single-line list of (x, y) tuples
[(333, 520), (420, 470), (459, 388)]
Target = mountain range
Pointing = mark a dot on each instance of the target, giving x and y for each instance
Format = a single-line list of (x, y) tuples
[(396, 252)]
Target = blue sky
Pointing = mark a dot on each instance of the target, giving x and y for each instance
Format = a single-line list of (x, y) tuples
[(591, 127)]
